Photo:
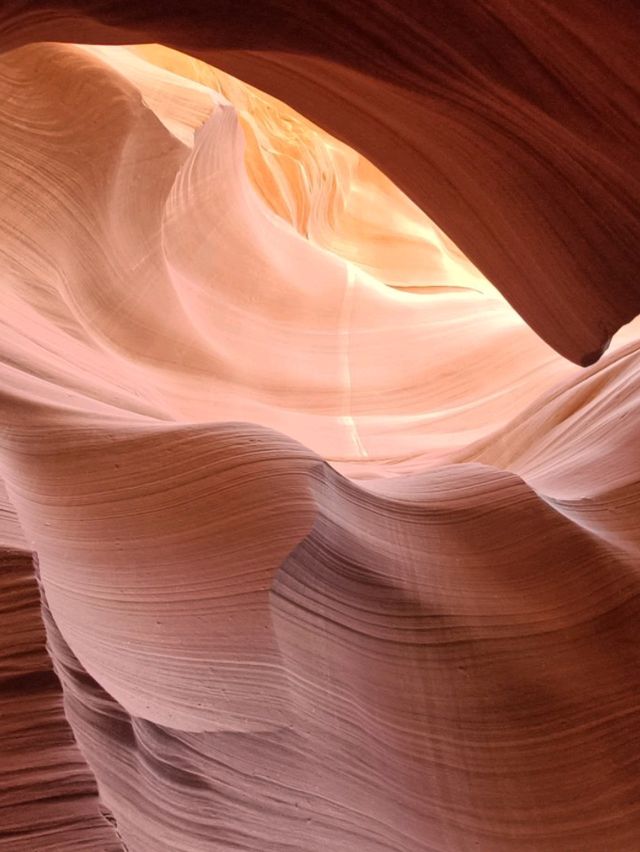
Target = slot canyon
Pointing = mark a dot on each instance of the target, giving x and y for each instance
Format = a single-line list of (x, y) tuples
[(320, 426)]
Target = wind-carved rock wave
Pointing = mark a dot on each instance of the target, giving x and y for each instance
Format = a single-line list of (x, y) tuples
[(335, 552)]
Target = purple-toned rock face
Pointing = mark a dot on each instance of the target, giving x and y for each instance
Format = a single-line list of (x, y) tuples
[(335, 544)]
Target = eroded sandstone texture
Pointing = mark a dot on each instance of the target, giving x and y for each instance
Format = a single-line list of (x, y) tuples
[(334, 546)]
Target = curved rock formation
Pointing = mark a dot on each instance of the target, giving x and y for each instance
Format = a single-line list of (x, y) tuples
[(514, 125), (335, 552)]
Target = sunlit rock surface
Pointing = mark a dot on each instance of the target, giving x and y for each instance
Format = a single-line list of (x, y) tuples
[(335, 552)]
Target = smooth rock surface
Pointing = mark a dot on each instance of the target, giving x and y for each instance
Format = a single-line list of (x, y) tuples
[(335, 551)]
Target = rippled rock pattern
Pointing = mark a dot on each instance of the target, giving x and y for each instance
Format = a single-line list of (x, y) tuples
[(334, 546)]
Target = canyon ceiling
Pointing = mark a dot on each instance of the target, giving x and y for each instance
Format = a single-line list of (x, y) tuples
[(319, 431)]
